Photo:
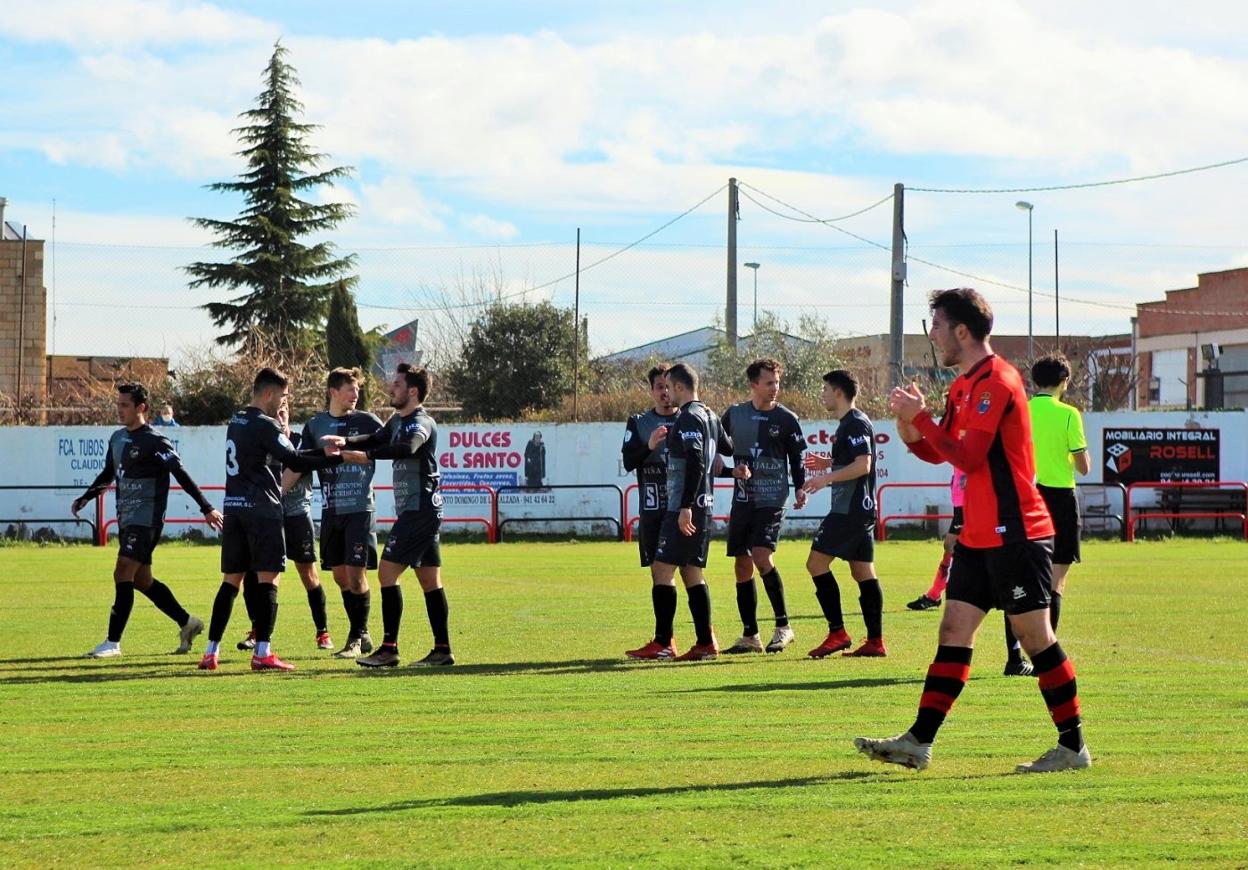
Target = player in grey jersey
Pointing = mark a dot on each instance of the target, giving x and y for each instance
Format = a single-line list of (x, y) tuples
[(141, 460), (410, 440), (767, 451), (348, 518)]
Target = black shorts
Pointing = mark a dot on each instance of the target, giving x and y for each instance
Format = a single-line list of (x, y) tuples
[(1013, 577), (846, 537), (1064, 508), (677, 548), (137, 543), (253, 544), (648, 526), (955, 525), (750, 527), (300, 538), (348, 539), (414, 540)]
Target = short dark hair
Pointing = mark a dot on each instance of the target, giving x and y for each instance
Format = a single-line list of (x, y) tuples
[(754, 369), (844, 381), (269, 377), (686, 374), (341, 376), (656, 372), (1051, 370), (965, 306), (416, 376), (136, 392)]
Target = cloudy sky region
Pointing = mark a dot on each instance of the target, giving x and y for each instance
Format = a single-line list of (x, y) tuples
[(484, 134)]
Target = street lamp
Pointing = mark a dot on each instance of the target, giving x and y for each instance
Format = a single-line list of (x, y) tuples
[(1031, 350), (755, 266)]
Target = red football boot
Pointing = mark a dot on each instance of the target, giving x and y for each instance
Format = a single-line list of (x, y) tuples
[(270, 663), (872, 647), (700, 652), (654, 651), (836, 640)]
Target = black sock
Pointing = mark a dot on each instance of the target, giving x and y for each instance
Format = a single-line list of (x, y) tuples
[(221, 607), (1055, 611), (664, 600), (871, 600), (1013, 649), (700, 609), (252, 599), (363, 603), (123, 603), (162, 596), (439, 611), (1061, 695), (392, 613), (316, 603), (266, 609), (348, 607), (829, 596), (747, 606), (775, 594), (946, 677)]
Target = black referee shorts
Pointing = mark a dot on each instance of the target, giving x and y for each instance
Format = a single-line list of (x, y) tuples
[(1063, 506)]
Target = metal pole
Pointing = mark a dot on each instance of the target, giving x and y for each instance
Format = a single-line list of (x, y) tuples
[(896, 326), (730, 314), (576, 331), (1031, 345), (1057, 312), (21, 327), (755, 300)]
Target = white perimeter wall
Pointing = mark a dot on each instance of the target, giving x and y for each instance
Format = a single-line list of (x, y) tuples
[(585, 453)]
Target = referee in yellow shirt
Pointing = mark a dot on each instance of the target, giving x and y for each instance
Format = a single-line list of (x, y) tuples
[(1061, 449)]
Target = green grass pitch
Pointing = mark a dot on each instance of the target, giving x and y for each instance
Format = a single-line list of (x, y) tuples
[(543, 746)]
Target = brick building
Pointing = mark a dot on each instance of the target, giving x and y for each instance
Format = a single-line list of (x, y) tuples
[(1193, 345), (23, 318)]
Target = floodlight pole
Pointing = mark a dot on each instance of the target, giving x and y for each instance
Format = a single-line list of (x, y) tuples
[(896, 325)]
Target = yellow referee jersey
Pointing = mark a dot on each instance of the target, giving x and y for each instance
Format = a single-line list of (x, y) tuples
[(1057, 434)]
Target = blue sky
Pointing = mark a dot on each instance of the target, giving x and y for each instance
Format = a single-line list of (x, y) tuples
[(485, 134)]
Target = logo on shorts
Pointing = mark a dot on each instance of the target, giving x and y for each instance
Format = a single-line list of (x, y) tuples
[(1019, 593), (358, 549), (985, 402), (704, 500)]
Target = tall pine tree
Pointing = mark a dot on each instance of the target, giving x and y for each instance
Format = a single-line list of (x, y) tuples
[(285, 283), (345, 344)]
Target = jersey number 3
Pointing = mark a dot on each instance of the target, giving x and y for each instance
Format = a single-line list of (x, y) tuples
[(231, 458)]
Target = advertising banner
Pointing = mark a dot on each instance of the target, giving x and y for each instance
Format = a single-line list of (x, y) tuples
[(1139, 454)]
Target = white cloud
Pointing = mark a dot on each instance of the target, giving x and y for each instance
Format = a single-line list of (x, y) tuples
[(89, 23), (488, 227)]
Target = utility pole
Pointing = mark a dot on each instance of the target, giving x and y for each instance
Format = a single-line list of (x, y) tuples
[(896, 321), (1057, 311), (730, 314), (576, 332)]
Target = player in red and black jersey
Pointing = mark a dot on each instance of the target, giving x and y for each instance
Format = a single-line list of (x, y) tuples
[(1003, 558)]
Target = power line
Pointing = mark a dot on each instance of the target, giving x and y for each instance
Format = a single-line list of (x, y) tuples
[(814, 220), (1085, 184)]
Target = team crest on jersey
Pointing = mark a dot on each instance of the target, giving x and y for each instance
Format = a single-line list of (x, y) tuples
[(134, 451), (985, 402), (774, 431)]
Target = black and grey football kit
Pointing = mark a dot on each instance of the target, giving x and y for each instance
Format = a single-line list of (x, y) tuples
[(348, 511), (297, 515), (141, 461), (847, 532), (651, 468), (255, 452), (770, 443), (692, 442)]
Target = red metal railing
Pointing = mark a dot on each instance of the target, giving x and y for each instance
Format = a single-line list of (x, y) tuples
[(1134, 517), (882, 520)]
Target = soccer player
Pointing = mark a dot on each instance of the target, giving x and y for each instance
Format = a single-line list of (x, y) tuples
[(645, 451), (300, 546), (348, 519), (141, 460), (684, 538), (767, 449), (931, 599), (410, 439), (848, 531), (254, 538), (1061, 449), (1002, 558)]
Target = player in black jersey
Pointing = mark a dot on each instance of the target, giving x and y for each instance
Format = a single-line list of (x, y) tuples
[(410, 439), (141, 460), (692, 443), (254, 538), (767, 451), (645, 452), (848, 531)]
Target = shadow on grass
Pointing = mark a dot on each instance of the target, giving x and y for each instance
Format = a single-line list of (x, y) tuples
[(813, 686), (523, 798), (498, 669)]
